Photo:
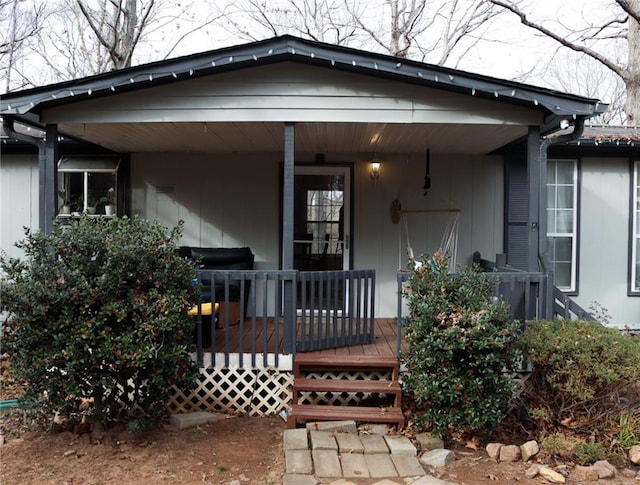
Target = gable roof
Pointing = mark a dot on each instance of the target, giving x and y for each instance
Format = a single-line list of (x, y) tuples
[(28, 103)]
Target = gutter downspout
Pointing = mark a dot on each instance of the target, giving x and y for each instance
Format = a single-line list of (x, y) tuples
[(543, 255), (40, 144)]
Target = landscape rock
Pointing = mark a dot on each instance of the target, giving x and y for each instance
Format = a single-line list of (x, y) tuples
[(532, 471), (551, 475), (493, 450), (586, 473), (605, 469), (634, 454), (529, 449), (437, 458), (510, 453), (428, 442), (629, 473)]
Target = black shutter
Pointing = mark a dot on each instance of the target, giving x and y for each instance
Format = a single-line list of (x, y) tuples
[(517, 211)]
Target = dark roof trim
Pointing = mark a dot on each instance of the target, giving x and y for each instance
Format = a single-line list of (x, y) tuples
[(595, 140), (288, 48), (607, 135)]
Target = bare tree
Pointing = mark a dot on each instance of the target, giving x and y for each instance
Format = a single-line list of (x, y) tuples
[(19, 23), (319, 20), (601, 41), (425, 29), (118, 26)]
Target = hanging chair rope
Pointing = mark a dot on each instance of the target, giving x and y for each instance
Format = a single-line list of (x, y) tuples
[(449, 241)]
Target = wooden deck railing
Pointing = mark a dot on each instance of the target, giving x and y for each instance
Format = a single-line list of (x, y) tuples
[(264, 315), (565, 307), (526, 293)]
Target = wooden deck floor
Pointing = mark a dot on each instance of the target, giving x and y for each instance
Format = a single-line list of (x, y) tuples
[(270, 336)]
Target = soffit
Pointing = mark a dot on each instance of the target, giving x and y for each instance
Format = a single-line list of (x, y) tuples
[(236, 137)]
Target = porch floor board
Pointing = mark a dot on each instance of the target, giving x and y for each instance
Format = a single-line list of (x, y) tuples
[(384, 344)]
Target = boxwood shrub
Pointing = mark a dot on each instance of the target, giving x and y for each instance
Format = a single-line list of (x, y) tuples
[(586, 377)]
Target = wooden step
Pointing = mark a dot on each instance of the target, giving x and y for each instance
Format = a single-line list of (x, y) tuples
[(347, 385), (305, 361), (316, 412)]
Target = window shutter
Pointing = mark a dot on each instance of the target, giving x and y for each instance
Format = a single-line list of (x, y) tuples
[(517, 211)]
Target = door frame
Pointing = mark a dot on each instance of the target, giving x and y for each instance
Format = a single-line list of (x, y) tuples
[(322, 169)]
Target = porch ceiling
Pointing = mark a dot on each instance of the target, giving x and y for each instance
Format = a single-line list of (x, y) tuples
[(237, 137)]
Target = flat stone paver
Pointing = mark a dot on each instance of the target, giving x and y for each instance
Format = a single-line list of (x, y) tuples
[(353, 465), (348, 426), (391, 459), (326, 463), (323, 440), (400, 445), (191, 420), (349, 443), (428, 480), (380, 466), (373, 444), (387, 482), (299, 462), (407, 465), (296, 439), (293, 479)]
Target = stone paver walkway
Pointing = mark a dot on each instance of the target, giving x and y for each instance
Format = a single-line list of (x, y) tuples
[(336, 453)]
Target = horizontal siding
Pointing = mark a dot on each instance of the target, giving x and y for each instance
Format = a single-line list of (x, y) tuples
[(289, 92), (604, 240)]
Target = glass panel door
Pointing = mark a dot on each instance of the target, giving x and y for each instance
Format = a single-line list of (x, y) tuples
[(321, 218)]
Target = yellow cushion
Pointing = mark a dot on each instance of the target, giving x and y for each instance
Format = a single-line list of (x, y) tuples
[(205, 309)]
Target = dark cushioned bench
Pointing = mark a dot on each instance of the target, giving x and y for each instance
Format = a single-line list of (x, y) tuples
[(223, 259)]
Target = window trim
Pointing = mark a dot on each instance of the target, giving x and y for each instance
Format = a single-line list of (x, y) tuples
[(571, 290), (634, 226)]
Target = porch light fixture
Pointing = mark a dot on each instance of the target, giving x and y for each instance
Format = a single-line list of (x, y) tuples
[(375, 169)]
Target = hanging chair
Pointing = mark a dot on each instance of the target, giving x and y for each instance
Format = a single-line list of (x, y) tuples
[(449, 241)]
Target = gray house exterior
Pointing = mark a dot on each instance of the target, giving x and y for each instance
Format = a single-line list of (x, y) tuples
[(225, 140)]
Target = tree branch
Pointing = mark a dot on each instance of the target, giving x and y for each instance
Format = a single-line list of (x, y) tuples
[(623, 73), (629, 9)]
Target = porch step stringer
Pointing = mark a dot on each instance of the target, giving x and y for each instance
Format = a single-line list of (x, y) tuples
[(315, 364)]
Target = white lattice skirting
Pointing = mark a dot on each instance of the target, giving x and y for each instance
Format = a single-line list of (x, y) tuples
[(254, 392), (265, 391)]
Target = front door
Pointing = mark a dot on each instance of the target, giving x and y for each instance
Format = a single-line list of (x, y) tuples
[(332, 302), (322, 218)]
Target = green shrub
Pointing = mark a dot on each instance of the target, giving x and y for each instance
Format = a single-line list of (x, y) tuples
[(97, 325), (589, 453), (583, 375), (559, 446), (459, 347)]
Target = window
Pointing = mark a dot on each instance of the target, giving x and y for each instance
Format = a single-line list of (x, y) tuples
[(87, 185), (323, 219), (635, 230), (562, 202)]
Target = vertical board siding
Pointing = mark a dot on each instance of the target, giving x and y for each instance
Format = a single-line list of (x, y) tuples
[(18, 199), (234, 200)]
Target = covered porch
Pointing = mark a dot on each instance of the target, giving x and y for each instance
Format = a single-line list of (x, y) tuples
[(221, 140)]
